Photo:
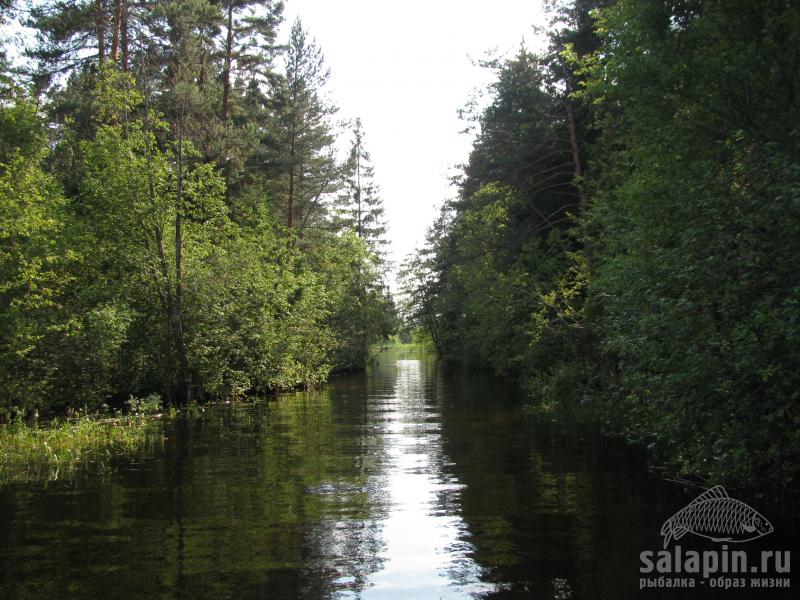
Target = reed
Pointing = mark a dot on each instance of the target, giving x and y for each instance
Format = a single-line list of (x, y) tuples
[(62, 447)]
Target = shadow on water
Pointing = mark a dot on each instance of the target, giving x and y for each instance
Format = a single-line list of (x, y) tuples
[(416, 479)]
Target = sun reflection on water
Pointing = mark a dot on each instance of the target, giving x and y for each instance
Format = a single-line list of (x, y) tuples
[(424, 552)]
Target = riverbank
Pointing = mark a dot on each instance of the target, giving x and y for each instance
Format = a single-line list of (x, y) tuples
[(30, 451), (60, 445), (416, 478)]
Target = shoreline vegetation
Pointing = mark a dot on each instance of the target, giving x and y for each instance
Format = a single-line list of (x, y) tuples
[(176, 221), (624, 238), (180, 216), (62, 447)]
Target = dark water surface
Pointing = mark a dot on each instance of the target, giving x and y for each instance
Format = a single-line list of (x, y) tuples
[(413, 480)]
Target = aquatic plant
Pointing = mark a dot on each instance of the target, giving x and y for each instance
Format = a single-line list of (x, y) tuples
[(63, 447)]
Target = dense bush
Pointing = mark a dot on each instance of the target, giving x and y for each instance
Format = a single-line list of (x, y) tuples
[(627, 234), (155, 241), (695, 227)]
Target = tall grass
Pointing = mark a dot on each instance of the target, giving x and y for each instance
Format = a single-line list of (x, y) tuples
[(65, 446)]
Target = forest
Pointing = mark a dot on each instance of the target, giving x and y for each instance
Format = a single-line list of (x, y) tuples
[(624, 237), (176, 221)]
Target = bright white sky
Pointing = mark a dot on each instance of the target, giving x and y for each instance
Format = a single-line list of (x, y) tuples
[(404, 68)]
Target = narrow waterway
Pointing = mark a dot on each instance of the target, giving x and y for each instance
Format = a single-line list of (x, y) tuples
[(413, 480)]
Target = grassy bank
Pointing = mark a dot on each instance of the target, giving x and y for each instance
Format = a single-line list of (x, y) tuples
[(419, 341), (62, 447)]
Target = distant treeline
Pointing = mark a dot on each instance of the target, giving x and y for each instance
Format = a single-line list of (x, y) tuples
[(173, 216), (626, 236)]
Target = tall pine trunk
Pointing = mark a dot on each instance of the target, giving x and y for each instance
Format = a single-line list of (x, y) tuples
[(186, 388), (358, 184), (576, 154), (100, 21), (117, 30), (290, 207), (124, 34), (226, 83)]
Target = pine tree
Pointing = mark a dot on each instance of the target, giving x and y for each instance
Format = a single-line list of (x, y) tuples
[(360, 207), (6, 78), (572, 38), (246, 56), (301, 157), (251, 28), (186, 26), (74, 34)]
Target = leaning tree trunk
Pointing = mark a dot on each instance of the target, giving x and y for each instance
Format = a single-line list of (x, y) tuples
[(576, 154)]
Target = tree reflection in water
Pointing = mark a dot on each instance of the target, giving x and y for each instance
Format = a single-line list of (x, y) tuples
[(415, 479)]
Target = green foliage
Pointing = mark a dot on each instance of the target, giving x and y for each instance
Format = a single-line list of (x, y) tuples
[(149, 405), (359, 207), (361, 311), (32, 278), (257, 318), (63, 448), (656, 283), (299, 152), (486, 286), (140, 252), (695, 231), (493, 285)]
